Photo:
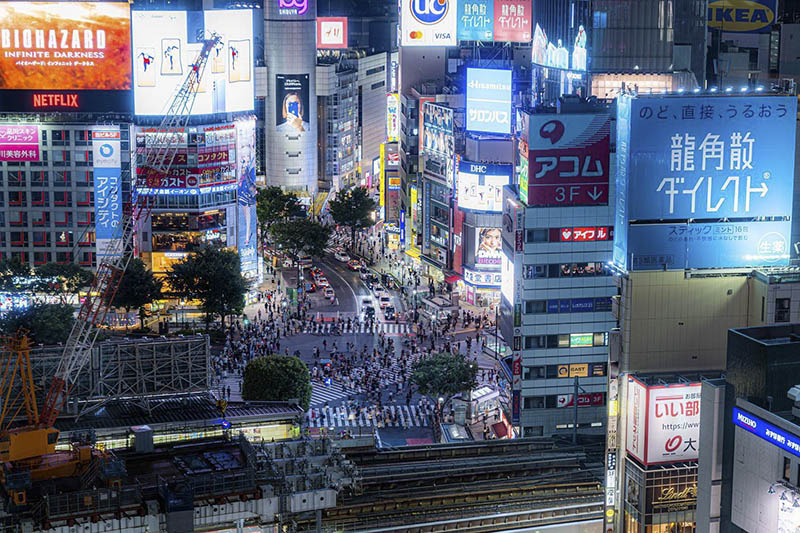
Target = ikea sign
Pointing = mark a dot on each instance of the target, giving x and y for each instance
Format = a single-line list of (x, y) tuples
[(742, 16)]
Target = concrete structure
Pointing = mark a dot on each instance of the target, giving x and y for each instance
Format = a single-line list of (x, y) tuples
[(290, 53)]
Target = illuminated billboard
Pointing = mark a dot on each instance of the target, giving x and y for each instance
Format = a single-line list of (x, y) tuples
[(475, 20), (480, 186), (663, 422), (292, 104), (107, 188), (65, 56), (392, 117), (331, 32), (555, 55), (19, 143), (438, 141), (165, 46), (708, 181), (742, 16), (489, 100), (428, 22), (568, 160), (488, 246), (512, 20), (246, 240)]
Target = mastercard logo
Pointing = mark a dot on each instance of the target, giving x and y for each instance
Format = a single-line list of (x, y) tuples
[(415, 35)]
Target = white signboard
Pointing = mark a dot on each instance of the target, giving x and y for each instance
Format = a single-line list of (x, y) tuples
[(663, 422), (428, 22)]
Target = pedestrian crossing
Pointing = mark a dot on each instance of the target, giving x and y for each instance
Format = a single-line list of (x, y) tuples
[(389, 416), (353, 328), (321, 393)]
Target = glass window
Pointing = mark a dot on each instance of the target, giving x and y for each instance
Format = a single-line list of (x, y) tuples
[(535, 306), (537, 235), (787, 469), (782, 309)]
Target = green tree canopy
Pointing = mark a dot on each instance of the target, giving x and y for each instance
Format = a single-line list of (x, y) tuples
[(274, 205), (277, 378), (138, 288), (213, 277), (443, 375), (353, 209), (300, 236), (62, 279), (47, 323), (14, 275)]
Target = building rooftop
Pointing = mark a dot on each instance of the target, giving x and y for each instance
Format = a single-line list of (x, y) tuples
[(771, 335)]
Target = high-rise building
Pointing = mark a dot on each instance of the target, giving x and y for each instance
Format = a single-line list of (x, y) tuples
[(290, 123)]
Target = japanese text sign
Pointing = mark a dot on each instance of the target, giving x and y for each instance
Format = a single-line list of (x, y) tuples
[(489, 100), (475, 20), (19, 143), (107, 185), (512, 20)]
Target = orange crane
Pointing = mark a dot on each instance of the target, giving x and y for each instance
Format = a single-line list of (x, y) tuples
[(30, 450)]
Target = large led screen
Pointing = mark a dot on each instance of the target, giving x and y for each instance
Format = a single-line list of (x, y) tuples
[(480, 186), (65, 46), (166, 45), (489, 100)]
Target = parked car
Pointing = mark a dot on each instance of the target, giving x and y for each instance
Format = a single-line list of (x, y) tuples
[(341, 257)]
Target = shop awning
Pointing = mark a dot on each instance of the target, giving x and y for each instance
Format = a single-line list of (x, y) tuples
[(412, 252), (452, 278)]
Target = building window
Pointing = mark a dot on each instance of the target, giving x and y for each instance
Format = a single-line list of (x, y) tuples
[(378, 85), (40, 178), (17, 198), (782, 309), (17, 178), (62, 198), (62, 178), (787, 469), (534, 307), (537, 235), (532, 431), (375, 70), (533, 402)]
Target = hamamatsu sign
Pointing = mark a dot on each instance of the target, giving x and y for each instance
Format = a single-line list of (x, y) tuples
[(742, 16)]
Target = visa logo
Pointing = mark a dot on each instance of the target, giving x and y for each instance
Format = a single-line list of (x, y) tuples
[(739, 15), (441, 35)]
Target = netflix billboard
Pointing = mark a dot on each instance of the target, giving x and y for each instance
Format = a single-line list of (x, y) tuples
[(65, 56)]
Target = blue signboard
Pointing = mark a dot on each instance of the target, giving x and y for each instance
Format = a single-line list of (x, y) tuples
[(475, 20), (489, 100), (579, 305), (107, 189), (620, 254), (694, 161), (761, 428), (737, 16)]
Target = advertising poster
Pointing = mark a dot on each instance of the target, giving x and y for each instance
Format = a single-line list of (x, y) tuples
[(710, 181), (331, 32), (488, 246), (107, 187), (19, 143), (438, 141), (736, 16), (65, 46), (292, 112), (165, 47), (512, 20), (489, 100), (422, 102), (392, 117), (569, 158), (428, 22), (636, 412), (555, 54), (480, 186), (475, 20), (246, 239)]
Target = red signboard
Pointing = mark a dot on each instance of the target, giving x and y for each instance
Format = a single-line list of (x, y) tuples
[(568, 159), (512, 20), (51, 100), (602, 233), (331, 32), (584, 400)]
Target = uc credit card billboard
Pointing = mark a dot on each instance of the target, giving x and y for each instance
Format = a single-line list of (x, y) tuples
[(428, 22), (704, 182), (489, 100)]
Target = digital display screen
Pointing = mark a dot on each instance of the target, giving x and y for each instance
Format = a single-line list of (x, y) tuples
[(489, 100)]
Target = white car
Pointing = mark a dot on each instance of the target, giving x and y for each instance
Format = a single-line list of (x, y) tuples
[(329, 293), (341, 257)]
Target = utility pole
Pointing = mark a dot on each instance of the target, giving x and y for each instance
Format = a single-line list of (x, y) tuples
[(575, 406)]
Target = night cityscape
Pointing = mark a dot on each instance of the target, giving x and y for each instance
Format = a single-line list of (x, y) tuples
[(384, 266)]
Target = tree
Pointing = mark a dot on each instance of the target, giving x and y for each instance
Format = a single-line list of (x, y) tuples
[(213, 277), (353, 209), (299, 237), (274, 205), (62, 279), (14, 275), (138, 288), (46, 323), (443, 375), (277, 378)]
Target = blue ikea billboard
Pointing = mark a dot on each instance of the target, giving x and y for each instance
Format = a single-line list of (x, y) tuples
[(704, 182), (489, 100)]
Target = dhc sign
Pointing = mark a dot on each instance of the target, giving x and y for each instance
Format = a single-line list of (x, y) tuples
[(742, 16), (761, 428)]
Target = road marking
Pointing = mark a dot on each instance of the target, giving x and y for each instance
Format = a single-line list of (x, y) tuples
[(333, 270)]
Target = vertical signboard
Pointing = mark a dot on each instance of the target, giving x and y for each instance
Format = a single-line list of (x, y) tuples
[(636, 412), (489, 100), (392, 117), (428, 22), (292, 101), (475, 20), (569, 159), (19, 143), (331, 32), (246, 239), (438, 142), (512, 20), (710, 181), (422, 101), (107, 187)]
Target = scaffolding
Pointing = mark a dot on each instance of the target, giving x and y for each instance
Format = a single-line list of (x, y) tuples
[(130, 369)]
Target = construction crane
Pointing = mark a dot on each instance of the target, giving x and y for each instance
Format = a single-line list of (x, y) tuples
[(30, 450)]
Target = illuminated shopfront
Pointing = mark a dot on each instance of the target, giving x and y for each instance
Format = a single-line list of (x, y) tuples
[(660, 500)]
